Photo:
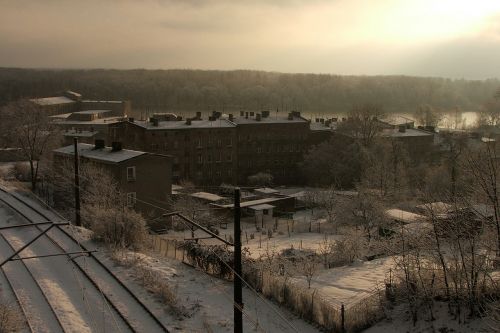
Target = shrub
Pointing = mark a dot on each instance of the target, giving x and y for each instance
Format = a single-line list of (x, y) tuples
[(118, 227)]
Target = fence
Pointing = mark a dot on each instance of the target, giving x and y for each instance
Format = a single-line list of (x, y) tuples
[(307, 303), (169, 248)]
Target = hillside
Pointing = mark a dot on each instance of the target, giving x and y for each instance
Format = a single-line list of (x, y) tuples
[(232, 90)]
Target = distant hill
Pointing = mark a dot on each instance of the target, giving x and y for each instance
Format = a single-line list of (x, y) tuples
[(252, 90)]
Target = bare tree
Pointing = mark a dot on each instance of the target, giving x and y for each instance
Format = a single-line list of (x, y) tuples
[(363, 123), (29, 128), (483, 166)]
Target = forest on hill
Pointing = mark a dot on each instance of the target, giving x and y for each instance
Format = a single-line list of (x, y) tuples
[(252, 90)]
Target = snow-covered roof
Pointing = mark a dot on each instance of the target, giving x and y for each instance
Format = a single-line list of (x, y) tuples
[(53, 100), (176, 187), (181, 124), (81, 134), (104, 154), (272, 119), (207, 196), (403, 215), (253, 202), (407, 133), (262, 207), (266, 190), (435, 208), (416, 228), (92, 111)]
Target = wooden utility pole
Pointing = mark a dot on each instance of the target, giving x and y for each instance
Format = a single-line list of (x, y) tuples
[(78, 221), (238, 297)]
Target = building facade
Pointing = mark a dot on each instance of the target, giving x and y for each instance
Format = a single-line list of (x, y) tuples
[(144, 178)]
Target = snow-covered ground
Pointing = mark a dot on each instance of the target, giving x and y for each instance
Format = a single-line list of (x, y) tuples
[(399, 321), (210, 301), (349, 284)]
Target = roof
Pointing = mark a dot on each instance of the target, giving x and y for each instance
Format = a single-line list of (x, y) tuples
[(407, 133), (253, 202), (266, 190), (262, 207), (435, 208), (103, 121), (92, 111), (181, 124), (272, 119), (317, 126), (53, 100), (404, 216), (104, 154), (82, 134), (207, 196)]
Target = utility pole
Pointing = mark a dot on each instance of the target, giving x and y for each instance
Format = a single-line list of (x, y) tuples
[(78, 221), (238, 297)]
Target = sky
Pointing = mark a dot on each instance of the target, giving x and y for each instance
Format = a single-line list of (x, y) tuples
[(450, 38)]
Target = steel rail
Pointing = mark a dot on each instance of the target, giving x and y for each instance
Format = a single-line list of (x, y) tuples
[(92, 256)]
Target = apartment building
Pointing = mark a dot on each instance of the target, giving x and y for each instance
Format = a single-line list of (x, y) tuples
[(274, 144), (204, 151), (141, 176)]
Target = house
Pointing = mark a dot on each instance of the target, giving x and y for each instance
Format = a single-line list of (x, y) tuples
[(145, 178)]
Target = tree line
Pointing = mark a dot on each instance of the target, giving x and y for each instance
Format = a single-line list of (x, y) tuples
[(233, 90)]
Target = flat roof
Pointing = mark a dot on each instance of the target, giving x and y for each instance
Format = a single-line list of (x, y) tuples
[(262, 207), (82, 134), (207, 196), (254, 202), (104, 154), (266, 190), (53, 100), (407, 133), (91, 111), (181, 124), (272, 119), (403, 215)]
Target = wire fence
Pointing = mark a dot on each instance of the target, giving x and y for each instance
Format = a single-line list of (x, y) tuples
[(307, 303)]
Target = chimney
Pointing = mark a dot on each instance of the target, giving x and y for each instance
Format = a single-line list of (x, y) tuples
[(116, 146), (131, 119), (251, 113), (99, 144), (188, 121), (322, 120), (153, 121), (402, 128), (290, 116), (179, 118), (257, 116), (265, 114), (242, 113), (211, 118), (231, 117), (198, 115), (317, 120), (246, 115)]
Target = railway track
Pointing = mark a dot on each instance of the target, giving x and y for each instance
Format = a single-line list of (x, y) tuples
[(52, 319), (135, 315)]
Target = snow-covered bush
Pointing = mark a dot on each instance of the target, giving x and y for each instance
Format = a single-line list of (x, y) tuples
[(118, 227)]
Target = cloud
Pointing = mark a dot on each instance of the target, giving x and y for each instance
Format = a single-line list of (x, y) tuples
[(341, 36)]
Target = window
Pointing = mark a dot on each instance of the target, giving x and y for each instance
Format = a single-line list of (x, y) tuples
[(230, 142), (131, 173), (176, 144), (131, 199), (218, 157), (265, 212), (219, 142), (229, 157), (200, 159), (209, 158), (199, 142)]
